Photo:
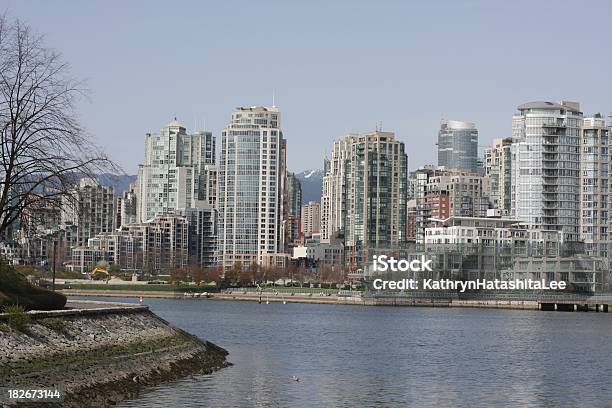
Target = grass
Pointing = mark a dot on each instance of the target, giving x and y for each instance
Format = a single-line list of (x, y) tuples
[(191, 288), (139, 288), (281, 289), (91, 356), (16, 317), (16, 290)]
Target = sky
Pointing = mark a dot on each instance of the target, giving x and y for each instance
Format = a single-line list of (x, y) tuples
[(334, 67)]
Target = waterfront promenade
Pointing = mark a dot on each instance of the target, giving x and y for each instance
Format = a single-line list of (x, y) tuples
[(546, 302)]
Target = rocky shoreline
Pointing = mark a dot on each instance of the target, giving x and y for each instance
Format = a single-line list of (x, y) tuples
[(101, 354)]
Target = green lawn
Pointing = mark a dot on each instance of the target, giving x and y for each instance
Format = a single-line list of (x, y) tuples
[(139, 288), (281, 289), (192, 288)]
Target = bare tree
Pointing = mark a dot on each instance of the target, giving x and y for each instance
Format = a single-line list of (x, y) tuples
[(43, 149)]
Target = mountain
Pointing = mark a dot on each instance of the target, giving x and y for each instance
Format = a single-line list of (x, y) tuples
[(312, 184), (121, 182)]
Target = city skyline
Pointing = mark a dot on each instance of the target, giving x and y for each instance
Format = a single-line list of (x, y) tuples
[(361, 74)]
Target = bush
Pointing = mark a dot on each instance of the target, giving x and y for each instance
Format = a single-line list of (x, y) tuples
[(16, 290), (17, 318)]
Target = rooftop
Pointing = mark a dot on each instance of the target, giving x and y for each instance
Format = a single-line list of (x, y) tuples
[(256, 109), (575, 106)]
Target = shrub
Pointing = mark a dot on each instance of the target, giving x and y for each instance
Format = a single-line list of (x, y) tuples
[(16, 317), (15, 289)]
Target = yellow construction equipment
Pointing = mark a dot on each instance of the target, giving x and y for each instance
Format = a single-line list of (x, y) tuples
[(97, 271)]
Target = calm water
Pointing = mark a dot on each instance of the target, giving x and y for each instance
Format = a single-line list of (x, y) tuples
[(347, 356)]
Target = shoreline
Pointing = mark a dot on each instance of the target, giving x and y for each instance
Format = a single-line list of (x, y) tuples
[(100, 353), (570, 305)]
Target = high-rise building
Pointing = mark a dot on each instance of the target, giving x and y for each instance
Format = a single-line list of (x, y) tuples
[(294, 209), (498, 162), (91, 207), (311, 219), (594, 186), (209, 184), (173, 174), (202, 235), (333, 194), (158, 245), (546, 167), (126, 208), (252, 173), (41, 216), (453, 193), (441, 193), (458, 145), (375, 187)]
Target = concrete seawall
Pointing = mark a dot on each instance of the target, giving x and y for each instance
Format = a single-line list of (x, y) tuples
[(346, 299), (100, 353)]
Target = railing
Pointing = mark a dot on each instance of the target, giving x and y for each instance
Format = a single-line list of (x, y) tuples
[(450, 295)]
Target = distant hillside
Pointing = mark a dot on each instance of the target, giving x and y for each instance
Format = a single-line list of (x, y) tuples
[(120, 182), (312, 184)]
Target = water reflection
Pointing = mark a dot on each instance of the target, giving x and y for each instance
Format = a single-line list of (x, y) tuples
[(350, 356)]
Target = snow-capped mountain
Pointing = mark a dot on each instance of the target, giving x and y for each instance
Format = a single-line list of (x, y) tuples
[(312, 183)]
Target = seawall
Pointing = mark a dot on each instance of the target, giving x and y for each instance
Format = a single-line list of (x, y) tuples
[(99, 353), (593, 303)]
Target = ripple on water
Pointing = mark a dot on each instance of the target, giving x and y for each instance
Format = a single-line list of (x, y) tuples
[(348, 356)]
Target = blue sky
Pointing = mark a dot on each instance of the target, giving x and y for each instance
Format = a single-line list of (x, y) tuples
[(335, 67)]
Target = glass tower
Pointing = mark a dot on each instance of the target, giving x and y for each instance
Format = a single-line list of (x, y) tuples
[(173, 176), (375, 185), (546, 166), (458, 146), (251, 182)]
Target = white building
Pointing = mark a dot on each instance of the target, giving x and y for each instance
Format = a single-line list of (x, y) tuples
[(594, 186), (173, 176), (332, 197), (251, 178), (546, 166), (485, 231), (158, 245), (91, 207), (127, 208), (322, 253)]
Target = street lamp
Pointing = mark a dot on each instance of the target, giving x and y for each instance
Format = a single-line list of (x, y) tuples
[(54, 258)]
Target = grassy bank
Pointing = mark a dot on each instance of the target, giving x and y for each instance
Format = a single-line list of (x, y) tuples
[(16, 290), (194, 288), (154, 288)]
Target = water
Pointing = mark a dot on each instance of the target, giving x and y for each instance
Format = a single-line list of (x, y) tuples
[(348, 356)]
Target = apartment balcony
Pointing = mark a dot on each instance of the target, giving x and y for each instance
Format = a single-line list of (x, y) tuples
[(550, 177), (551, 147), (550, 202), (550, 212), (551, 137), (559, 124)]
